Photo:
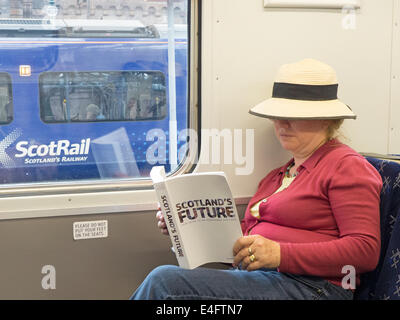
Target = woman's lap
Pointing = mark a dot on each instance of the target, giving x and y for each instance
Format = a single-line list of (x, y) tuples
[(172, 282)]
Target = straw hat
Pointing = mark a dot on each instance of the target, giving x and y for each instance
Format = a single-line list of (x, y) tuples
[(304, 90)]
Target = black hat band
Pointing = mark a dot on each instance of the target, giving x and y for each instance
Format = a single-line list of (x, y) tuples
[(305, 92)]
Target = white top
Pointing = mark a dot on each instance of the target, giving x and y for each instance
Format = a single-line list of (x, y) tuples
[(254, 210)]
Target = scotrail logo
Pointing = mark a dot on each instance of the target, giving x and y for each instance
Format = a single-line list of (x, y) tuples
[(5, 159), (54, 152)]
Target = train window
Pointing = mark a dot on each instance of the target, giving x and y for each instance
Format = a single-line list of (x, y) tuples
[(6, 104), (101, 92), (102, 96)]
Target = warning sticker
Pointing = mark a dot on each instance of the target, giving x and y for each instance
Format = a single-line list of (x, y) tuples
[(90, 229)]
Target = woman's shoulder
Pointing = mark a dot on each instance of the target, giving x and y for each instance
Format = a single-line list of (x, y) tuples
[(344, 159), (337, 150)]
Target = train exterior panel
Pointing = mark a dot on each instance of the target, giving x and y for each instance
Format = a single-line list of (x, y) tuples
[(57, 79)]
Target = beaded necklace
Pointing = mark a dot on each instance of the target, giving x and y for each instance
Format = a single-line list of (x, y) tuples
[(287, 174), (290, 166)]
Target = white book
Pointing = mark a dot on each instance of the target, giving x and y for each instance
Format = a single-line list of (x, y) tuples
[(200, 214)]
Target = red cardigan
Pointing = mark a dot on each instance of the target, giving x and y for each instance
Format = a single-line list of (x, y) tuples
[(327, 218)]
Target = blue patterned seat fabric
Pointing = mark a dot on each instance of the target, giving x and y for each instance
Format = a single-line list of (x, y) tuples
[(384, 282)]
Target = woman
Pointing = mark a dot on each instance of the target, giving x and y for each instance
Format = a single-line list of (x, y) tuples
[(309, 220)]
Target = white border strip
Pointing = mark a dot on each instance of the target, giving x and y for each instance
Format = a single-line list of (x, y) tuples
[(394, 112), (88, 210), (318, 4)]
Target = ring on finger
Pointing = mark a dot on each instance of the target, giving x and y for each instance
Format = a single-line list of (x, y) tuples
[(250, 251), (252, 258)]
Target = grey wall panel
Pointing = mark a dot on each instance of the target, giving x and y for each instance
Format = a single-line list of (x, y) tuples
[(107, 268)]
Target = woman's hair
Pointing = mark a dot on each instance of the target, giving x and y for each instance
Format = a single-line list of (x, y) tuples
[(333, 129)]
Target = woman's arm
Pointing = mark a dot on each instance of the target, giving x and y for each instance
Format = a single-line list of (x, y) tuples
[(354, 195)]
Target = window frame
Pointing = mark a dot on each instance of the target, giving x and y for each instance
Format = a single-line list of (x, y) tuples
[(85, 187), (10, 92)]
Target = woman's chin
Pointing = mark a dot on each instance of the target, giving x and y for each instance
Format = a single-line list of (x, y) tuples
[(287, 144)]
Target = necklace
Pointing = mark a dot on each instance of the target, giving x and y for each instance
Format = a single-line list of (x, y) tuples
[(287, 174), (290, 166)]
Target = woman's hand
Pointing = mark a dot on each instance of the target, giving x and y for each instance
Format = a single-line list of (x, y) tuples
[(265, 253), (160, 221)]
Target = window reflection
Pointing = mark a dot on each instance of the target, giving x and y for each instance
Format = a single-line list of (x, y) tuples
[(6, 101), (102, 96)]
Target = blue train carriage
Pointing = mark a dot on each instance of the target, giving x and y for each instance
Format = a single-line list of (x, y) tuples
[(79, 97)]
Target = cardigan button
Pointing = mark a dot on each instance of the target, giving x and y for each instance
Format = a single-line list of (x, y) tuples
[(264, 200)]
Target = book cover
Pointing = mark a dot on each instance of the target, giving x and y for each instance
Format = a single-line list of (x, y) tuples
[(200, 214)]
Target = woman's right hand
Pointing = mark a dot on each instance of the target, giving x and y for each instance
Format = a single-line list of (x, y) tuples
[(161, 222)]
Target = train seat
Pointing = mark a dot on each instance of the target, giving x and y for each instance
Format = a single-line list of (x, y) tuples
[(384, 282)]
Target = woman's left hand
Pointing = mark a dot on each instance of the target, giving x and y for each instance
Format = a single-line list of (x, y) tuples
[(266, 253)]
